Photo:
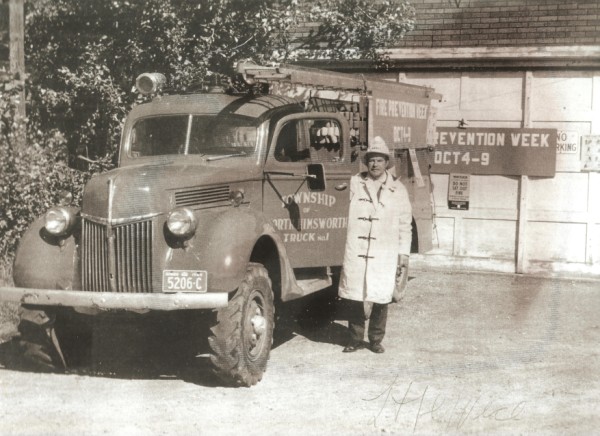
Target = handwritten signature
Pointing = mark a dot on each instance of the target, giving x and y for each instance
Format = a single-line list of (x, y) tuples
[(414, 404)]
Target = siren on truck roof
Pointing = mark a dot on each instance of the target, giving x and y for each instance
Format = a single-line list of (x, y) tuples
[(150, 83)]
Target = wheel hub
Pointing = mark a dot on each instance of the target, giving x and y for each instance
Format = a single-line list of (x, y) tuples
[(259, 324), (257, 328)]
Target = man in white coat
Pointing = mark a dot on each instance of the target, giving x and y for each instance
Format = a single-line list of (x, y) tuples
[(377, 246)]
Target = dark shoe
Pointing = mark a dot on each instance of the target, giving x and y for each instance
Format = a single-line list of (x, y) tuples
[(353, 347), (377, 348)]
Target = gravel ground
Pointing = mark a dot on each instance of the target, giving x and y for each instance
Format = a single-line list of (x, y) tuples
[(465, 353)]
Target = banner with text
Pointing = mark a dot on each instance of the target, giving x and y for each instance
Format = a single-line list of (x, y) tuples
[(495, 151), (400, 119)]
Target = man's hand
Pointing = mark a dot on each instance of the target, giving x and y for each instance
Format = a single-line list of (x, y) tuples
[(402, 263), (403, 260), (401, 280)]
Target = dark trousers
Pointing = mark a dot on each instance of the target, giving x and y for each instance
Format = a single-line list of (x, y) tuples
[(356, 322)]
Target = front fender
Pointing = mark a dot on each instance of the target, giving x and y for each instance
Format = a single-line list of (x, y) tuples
[(223, 245), (44, 261)]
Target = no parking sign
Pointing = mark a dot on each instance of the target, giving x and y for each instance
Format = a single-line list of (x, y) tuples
[(567, 142)]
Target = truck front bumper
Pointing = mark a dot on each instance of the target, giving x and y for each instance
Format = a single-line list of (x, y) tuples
[(114, 300)]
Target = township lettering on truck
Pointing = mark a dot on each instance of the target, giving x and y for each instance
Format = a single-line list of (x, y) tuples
[(222, 206)]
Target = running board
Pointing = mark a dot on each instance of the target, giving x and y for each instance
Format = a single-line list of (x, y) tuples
[(313, 285), (313, 280)]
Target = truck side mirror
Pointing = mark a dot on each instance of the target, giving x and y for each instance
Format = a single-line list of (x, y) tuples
[(316, 177)]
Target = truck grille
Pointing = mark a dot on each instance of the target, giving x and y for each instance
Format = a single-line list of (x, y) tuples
[(132, 254), (204, 196)]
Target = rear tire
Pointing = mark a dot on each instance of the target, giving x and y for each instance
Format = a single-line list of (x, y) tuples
[(242, 335)]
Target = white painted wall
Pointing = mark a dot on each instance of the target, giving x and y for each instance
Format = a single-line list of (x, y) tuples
[(558, 218)]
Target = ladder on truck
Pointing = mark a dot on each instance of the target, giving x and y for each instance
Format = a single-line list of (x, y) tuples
[(357, 89), (316, 78)]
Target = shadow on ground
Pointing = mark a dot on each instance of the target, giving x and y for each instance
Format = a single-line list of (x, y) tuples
[(175, 346), (134, 347)]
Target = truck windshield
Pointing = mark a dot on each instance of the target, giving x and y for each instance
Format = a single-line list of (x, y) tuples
[(193, 134)]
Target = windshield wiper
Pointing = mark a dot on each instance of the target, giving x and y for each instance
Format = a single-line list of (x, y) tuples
[(226, 156)]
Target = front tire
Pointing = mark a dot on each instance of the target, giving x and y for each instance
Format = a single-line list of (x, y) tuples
[(242, 335), (37, 344)]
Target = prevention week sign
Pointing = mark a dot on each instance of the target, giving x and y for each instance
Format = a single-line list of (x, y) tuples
[(495, 151), (400, 119)]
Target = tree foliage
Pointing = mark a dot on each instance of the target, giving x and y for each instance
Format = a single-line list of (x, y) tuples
[(83, 57), (358, 29), (32, 177)]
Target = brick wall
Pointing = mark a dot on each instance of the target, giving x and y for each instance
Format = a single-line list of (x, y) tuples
[(504, 23)]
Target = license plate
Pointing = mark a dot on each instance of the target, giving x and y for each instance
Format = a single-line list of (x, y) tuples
[(184, 281)]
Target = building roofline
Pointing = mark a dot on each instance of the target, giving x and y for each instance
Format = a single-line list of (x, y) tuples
[(467, 58)]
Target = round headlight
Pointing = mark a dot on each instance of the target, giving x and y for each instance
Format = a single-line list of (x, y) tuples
[(181, 222), (58, 221)]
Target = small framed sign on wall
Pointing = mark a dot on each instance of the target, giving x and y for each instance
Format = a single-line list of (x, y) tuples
[(590, 153), (458, 191)]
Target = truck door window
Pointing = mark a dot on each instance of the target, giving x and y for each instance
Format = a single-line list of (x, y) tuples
[(325, 140), (291, 145), (309, 140)]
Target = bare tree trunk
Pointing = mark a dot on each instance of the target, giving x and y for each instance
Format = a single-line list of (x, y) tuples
[(17, 56)]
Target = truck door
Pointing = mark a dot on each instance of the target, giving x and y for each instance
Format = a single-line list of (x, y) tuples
[(312, 220)]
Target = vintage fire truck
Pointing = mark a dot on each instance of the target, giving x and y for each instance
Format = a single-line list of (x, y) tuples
[(223, 206)]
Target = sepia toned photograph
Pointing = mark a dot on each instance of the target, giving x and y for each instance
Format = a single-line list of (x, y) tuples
[(289, 217)]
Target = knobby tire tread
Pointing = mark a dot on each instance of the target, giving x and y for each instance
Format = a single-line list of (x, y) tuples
[(227, 338)]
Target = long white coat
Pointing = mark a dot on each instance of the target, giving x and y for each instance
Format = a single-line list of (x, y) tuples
[(378, 231)]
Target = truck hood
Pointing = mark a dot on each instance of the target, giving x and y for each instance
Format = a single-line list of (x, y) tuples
[(133, 192)]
